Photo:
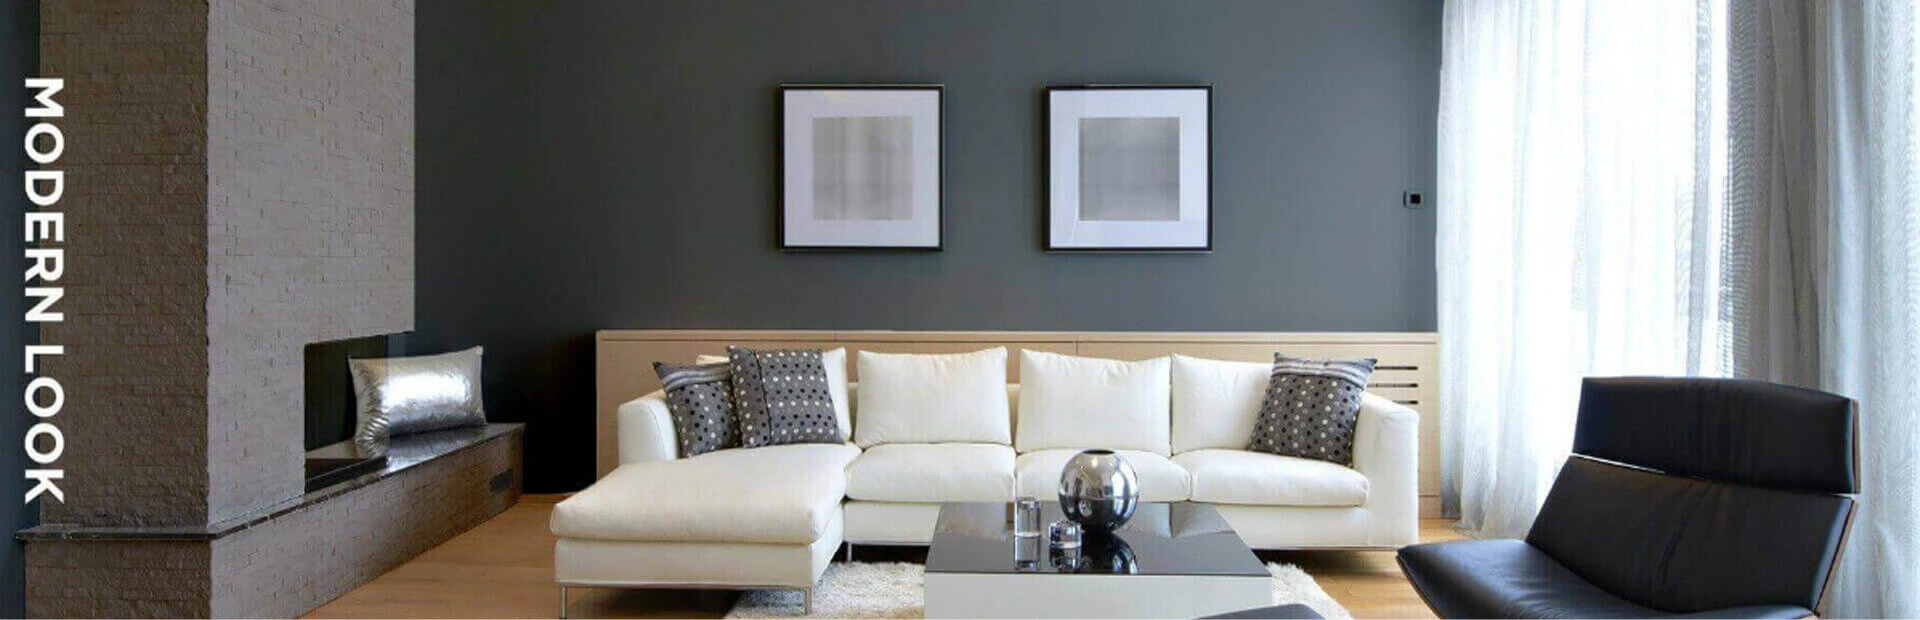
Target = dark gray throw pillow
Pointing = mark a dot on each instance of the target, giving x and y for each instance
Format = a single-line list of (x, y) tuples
[(781, 397), (701, 401), (1311, 408)]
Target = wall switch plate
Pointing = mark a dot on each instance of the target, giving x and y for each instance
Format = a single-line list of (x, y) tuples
[(1413, 200)]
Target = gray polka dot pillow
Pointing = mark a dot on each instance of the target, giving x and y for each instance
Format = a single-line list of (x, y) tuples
[(700, 399), (782, 398), (1311, 408)]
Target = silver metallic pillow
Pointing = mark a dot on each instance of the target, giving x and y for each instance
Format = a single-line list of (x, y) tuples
[(405, 395)]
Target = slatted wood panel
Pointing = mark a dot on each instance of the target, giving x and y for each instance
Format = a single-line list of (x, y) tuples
[(1408, 371)]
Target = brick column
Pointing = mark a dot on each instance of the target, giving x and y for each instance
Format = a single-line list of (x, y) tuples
[(135, 371), (239, 185)]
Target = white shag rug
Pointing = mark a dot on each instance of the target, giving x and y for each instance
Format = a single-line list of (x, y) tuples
[(895, 590)]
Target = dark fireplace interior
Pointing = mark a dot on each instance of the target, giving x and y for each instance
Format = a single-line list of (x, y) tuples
[(330, 418)]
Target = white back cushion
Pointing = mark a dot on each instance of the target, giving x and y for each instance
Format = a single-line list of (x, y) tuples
[(1084, 402), (836, 363), (958, 398), (1215, 403)]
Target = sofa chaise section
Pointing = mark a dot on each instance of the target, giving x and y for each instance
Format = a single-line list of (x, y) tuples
[(760, 518)]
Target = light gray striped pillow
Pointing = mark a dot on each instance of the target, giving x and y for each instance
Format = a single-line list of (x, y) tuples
[(1311, 408), (701, 401)]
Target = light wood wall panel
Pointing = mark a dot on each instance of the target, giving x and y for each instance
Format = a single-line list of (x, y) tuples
[(1408, 371)]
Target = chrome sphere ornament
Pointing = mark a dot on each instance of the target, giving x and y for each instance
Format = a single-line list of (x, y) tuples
[(1098, 490)]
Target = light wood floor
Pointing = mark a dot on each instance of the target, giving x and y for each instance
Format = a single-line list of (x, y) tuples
[(504, 569)]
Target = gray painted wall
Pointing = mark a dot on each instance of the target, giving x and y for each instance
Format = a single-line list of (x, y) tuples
[(594, 165), (19, 59)]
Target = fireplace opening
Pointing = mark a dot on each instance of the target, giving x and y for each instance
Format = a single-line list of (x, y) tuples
[(332, 456)]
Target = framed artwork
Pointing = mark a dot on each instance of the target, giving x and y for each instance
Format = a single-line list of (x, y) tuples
[(1130, 168), (860, 167)]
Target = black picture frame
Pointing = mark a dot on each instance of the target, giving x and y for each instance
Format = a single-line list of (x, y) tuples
[(780, 170), (1046, 185)]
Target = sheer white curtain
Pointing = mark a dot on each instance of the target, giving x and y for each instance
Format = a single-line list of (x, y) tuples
[(1866, 132), (1705, 188), (1577, 208)]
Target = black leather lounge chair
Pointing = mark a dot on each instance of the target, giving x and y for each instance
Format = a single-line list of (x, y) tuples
[(1693, 497)]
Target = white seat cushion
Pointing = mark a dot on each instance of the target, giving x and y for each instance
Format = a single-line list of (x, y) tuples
[(958, 398), (950, 472), (786, 494), (1215, 403), (1261, 479), (1069, 402), (1037, 474)]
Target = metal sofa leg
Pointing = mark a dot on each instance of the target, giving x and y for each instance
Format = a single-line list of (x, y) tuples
[(849, 557), (806, 605), (563, 603)]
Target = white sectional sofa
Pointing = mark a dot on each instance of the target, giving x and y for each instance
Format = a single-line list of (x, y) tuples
[(773, 517)]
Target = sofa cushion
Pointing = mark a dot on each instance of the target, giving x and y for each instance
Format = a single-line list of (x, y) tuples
[(949, 472), (1084, 402), (1261, 479), (701, 402), (835, 360), (1312, 408), (1037, 474), (906, 398), (786, 494), (781, 397), (1215, 403)]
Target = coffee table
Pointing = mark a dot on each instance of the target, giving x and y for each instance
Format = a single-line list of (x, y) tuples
[(1178, 560)]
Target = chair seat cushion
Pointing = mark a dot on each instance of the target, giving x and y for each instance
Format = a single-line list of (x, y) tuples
[(786, 494), (1511, 579), (1261, 479), (1037, 474), (949, 472)]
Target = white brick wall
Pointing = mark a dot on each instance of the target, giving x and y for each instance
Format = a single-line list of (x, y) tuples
[(309, 216)]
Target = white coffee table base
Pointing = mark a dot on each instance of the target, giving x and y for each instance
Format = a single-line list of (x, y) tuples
[(1052, 595)]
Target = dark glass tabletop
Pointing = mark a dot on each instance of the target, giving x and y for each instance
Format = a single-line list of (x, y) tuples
[(1162, 539)]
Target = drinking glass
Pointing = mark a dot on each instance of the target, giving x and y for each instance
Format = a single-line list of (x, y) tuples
[(1027, 553), (1026, 517)]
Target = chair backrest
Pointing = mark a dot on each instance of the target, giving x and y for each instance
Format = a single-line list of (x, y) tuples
[(1688, 495)]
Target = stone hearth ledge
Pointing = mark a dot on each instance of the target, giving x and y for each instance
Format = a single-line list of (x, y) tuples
[(402, 454)]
